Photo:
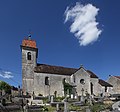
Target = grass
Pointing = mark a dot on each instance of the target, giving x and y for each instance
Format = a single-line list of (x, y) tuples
[(99, 106)]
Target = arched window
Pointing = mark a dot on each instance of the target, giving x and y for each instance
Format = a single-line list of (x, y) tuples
[(91, 86), (46, 80), (73, 78), (64, 80), (29, 55)]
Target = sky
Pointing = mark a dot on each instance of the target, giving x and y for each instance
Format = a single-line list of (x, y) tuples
[(67, 32)]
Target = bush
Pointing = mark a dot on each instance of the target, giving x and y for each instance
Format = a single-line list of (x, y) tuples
[(50, 108), (59, 99), (45, 100), (45, 109), (98, 107), (74, 108), (3, 102)]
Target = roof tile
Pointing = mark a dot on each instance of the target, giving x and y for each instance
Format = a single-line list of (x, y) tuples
[(104, 83), (117, 77), (92, 75), (43, 68), (29, 43)]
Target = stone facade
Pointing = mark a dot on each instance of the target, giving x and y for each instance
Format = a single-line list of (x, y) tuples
[(82, 81)]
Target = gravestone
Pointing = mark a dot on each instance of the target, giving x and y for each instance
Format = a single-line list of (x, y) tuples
[(116, 106), (51, 99), (65, 105), (82, 96)]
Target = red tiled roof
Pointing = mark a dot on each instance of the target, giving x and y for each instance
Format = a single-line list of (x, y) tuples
[(104, 83), (29, 43), (92, 75), (117, 77), (43, 68)]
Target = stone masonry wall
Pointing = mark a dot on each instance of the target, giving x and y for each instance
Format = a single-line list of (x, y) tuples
[(116, 84), (95, 86), (55, 84), (28, 70)]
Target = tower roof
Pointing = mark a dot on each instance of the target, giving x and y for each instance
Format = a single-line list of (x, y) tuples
[(29, 43)]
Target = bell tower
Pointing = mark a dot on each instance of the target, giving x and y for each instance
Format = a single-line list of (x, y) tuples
[(29, 61)]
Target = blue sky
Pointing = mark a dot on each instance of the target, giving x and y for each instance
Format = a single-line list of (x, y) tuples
[(56, 44)]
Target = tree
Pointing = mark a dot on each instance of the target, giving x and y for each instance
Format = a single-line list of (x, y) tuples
[(6, 87)]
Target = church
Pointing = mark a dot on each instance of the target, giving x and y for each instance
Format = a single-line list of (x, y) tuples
[(44, 79)]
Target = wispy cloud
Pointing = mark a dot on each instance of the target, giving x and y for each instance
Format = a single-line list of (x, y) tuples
[(84, 24), (5, 74)]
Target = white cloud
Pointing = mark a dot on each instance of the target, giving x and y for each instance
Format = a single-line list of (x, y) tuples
[(84, 25), (5, 74)]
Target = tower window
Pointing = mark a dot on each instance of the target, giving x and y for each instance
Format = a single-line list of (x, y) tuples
[(29, 55), (46, 80)]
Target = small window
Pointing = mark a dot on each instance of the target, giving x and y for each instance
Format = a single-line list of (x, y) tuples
[(29, 55), (82, 81), (46, 80)]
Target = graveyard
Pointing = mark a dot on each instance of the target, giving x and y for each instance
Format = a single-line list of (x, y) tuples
[(26, 103)]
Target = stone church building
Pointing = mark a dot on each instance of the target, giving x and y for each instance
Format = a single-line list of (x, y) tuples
[(48, 79), (115, 81)]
